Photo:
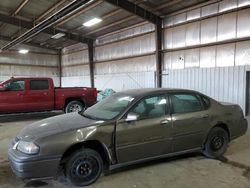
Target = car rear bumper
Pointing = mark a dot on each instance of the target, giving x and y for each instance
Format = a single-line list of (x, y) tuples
[(34, 168)]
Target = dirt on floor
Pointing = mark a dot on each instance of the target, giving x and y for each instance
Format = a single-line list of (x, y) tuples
[(193, 170)]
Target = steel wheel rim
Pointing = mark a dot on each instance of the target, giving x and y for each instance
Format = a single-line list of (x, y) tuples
[(217, 142), (75, 108), (85, 168)]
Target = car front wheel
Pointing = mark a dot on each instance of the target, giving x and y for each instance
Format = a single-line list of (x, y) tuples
[(84, 167), (216, 143)]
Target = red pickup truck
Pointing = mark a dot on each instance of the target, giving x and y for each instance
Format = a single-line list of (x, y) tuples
[(39, 94)]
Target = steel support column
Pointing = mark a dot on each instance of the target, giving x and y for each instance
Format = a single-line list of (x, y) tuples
[(60, 67), (158, 52), (91, 62)]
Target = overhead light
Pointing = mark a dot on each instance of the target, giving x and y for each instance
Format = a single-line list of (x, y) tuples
[(92, 22), (58, 35), (23, 51)]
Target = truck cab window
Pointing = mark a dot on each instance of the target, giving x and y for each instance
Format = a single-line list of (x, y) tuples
[(16, 85)]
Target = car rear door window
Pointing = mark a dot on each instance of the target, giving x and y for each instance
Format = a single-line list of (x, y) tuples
[(39, 85), (151, 107), (185, 103)]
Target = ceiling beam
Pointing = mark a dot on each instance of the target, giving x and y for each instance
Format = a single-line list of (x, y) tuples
[(49, 10), (136, 10), (50, 21), (85, 9), (5, 38), (51, 31), (19, 8)]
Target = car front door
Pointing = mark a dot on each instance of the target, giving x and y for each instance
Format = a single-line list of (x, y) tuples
[(190, 121), (149, 135), (12, 97)]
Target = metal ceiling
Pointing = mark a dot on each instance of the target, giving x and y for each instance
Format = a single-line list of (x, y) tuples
[(18, 16)]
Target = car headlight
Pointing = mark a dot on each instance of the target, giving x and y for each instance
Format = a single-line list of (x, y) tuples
[(27, 147)]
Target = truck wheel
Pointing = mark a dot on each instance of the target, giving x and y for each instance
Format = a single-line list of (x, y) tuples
[(216, 143), (74, 106), (84, 167)]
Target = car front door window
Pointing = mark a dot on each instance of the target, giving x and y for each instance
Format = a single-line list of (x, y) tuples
[(151, 107)]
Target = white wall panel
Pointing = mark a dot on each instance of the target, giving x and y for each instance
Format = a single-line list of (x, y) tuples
[(207, 57), (168, 38), (227, 5), (138, 64), (76, 81), (134, 46), (82, 70), (209, 9), (227, 26), (225, 55), (193, 14), (193, 34), (178, 60), (243, 23), (75, 58), (224, 84), (179, 36), (124, 81), (242, 53), (192, 58), (208, 30), (243, 3), (30, 58)]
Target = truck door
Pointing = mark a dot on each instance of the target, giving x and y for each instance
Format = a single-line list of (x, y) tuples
[(12, 97), (40, 96)]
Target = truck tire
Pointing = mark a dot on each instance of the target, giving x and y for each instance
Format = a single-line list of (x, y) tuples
[(74, 106), (84, 167)]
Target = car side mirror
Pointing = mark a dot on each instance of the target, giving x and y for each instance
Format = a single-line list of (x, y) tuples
[(132, 117)]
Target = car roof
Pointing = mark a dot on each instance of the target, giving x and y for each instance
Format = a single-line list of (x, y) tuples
[(152, 91)]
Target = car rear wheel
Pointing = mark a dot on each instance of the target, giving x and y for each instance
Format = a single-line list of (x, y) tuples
[(216, 143), (84, 167), (74, 106)]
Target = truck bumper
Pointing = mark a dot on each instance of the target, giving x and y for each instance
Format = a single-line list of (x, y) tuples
[(33, 168)]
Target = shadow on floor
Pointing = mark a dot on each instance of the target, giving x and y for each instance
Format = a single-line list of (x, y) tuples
[(27, 116)]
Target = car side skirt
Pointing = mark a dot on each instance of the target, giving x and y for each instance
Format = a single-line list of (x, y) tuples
[(119, 165)]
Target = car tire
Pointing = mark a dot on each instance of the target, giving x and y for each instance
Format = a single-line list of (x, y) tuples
[(84, 167), (216, 143), (74, 106)]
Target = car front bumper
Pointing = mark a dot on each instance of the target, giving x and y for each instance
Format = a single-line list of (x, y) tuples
[(34, 167)]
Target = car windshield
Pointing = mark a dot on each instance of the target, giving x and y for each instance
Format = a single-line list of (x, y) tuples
[(108, 108)]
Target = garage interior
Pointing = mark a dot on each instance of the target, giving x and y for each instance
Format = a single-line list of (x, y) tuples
[(203, 45)]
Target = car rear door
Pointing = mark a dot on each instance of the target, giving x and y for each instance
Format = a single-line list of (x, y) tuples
[(12, 98), (40, 97), (190, 121), (150, 135)]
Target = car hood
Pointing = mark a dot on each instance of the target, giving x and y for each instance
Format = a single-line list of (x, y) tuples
[(54, 125)]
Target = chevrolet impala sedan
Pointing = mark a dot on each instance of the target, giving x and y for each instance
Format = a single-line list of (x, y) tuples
[(126, 128)]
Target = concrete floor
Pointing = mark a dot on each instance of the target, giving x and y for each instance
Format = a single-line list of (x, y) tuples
[(179, 172)]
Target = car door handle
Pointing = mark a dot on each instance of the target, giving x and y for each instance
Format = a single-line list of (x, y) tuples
[(45, 93), (205, 116), (165, 121)]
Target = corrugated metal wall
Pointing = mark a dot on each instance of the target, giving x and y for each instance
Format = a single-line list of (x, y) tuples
[(211, 52), (75, 67), (115, 61), (26, 65), (206, 48)]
